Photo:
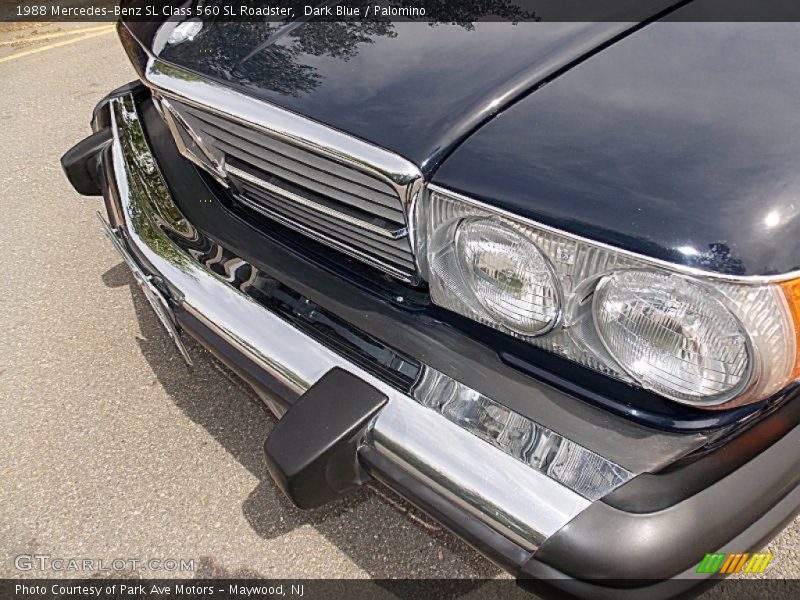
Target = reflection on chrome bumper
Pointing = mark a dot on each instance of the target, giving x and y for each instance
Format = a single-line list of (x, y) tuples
[(522, 503), (154, 297)]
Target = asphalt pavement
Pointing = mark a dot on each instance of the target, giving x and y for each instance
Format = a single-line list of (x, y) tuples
[(112, 447)]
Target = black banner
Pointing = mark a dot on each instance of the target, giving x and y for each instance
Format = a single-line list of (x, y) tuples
[(366, 589), (424, 11)]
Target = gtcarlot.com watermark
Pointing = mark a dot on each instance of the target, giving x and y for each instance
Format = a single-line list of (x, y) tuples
[(57, 564)]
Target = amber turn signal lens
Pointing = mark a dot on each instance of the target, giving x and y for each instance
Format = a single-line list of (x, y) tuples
[(791, 289)]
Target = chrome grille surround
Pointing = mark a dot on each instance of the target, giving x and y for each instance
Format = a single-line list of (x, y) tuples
[(339, 190)]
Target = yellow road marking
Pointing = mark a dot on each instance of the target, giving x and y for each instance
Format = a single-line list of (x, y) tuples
[(54, 45), (37, 37)]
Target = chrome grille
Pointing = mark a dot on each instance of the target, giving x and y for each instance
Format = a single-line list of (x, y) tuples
[(354, 211)]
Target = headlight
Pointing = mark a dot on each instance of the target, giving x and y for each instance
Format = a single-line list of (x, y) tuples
[(508, 276), (672, 336), (696, 339)]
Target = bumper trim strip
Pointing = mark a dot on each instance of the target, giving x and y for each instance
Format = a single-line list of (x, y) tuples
[(154, 297)]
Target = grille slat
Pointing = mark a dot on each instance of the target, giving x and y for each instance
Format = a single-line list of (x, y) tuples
[(337, 242), (263, 196), (301, 157), (306, 177), (394, 250), (245, 174), (367, 246), (395, 215), (349, 209)]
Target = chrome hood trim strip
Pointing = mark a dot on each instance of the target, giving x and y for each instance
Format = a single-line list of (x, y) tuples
[(172, 81), (192, 89)]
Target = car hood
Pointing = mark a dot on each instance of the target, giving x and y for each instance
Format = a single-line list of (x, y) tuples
[(680, 142), (414, 88)]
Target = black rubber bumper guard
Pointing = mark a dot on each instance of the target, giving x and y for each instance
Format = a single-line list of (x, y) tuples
[(312, 453)]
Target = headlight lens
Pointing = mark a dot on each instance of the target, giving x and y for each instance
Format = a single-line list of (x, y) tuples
[(508, 276), (697, 340), (672, 336)]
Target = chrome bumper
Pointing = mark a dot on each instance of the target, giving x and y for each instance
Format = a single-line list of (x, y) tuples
[(523, 505)]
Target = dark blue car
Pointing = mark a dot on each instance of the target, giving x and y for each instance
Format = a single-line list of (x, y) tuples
[(541, 279)]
